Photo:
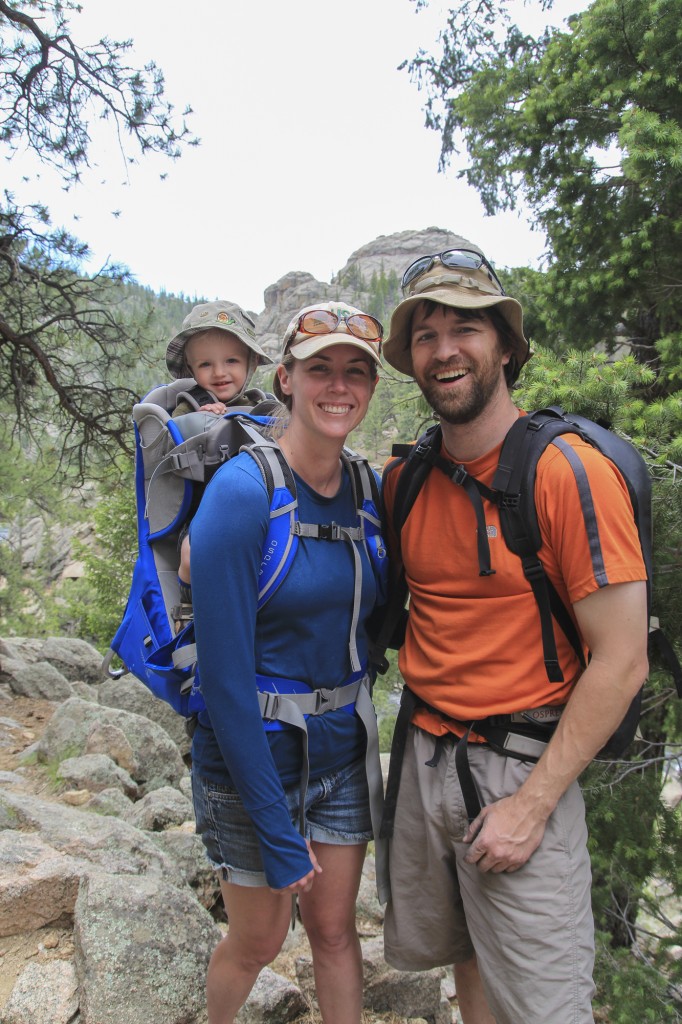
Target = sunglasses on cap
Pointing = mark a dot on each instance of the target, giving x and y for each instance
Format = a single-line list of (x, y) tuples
[(323, 321), (453, 259)]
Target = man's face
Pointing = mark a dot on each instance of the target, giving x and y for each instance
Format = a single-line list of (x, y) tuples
[(458, 361)]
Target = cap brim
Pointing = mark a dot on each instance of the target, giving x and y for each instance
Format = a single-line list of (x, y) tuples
[(397, 347), (311, 345)]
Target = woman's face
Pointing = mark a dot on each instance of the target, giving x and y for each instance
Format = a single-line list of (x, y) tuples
[(330, 391)]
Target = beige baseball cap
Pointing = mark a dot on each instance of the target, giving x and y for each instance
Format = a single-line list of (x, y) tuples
[(465, 287), (303, 344), (209, 316)]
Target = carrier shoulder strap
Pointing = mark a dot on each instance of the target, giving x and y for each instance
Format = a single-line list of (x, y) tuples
[(286, 528), (281, 541)]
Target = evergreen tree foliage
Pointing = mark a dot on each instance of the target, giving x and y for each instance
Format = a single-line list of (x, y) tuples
[(65, 347), (584, 126), (635, 837)]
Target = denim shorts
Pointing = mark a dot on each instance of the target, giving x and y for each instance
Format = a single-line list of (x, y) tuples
[(336, 812)]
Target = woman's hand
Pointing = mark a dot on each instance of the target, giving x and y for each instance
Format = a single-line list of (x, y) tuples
[(305, 883)]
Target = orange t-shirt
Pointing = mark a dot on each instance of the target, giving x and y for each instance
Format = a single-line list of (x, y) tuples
[(473, 645)]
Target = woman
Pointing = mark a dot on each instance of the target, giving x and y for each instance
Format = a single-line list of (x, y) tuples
[(246, 780)]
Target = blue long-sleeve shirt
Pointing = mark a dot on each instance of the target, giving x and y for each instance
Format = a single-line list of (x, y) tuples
[(301, 633)]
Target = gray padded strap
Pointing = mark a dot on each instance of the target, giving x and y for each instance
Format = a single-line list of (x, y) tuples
[(185, 656), (357, 598), (375, 784), (317, 702)]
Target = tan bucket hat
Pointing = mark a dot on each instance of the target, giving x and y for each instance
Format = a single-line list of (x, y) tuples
[(209, 316), (458, 287)]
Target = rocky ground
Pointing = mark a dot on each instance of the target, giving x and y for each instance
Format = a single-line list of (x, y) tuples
[(94, 822)]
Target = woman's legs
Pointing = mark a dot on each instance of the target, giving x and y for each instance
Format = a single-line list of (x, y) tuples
[(258, 922), (328, 914)]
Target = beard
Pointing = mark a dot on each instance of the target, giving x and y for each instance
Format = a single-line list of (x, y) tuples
[(466, 402)]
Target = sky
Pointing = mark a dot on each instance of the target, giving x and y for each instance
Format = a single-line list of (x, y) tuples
[(312, 144)]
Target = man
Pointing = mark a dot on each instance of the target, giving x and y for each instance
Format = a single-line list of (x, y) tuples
[(507, 895)]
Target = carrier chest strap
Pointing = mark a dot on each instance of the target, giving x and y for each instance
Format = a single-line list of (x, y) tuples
[(328, 531), (291, 708)]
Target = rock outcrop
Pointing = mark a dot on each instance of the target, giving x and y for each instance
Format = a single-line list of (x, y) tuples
[(108, 906), (388, 254)]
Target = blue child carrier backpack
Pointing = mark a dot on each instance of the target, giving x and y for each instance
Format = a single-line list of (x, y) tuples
[(174, 459)]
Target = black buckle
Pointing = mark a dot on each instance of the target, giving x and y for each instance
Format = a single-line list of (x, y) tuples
[(533, 570), (327, 531), (458, 475)]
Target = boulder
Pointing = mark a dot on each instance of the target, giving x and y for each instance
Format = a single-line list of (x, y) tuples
[(101, 842), (272, 998), (75, 659), (161, 809), (157, 760), (38, 884), (129, 694), (142, 949), (40, 680), (96, 772), (44, 993)]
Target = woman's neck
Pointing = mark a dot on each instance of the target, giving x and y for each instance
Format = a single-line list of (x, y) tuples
[(318, 463)]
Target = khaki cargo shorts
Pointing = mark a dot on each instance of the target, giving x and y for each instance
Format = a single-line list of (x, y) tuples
[(531, 930)]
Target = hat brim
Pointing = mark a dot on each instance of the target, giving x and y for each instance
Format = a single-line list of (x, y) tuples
[(313, 344), (397, 347), (175, 351), (310, 346)]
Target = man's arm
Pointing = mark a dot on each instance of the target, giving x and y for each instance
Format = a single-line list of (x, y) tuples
[(613, 622)]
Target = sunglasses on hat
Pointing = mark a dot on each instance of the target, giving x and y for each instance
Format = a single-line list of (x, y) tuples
[(453, 259), (323, 321)]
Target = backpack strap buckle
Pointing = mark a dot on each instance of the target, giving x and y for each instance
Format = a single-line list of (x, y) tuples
[(269, 704), (322, 701)]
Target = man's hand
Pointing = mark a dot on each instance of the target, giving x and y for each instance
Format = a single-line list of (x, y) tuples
[(504, 836)]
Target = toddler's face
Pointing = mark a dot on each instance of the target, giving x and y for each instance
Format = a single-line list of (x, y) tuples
[(219, 362)]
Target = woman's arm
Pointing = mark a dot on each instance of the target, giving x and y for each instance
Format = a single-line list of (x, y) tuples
[(227, 536)]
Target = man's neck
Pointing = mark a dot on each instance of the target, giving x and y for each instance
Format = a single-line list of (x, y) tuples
[(468, 441)]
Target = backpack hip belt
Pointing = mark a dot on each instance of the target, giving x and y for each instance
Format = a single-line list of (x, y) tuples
[(520, 734), (280, 704)]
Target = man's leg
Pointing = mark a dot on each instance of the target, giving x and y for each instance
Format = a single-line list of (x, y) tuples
[(424, 924), (471, 1000), (532, 928)]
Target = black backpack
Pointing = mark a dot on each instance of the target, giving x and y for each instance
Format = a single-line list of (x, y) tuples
[(513, 490)]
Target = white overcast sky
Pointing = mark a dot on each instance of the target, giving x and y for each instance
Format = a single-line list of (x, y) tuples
[(313, 144)]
